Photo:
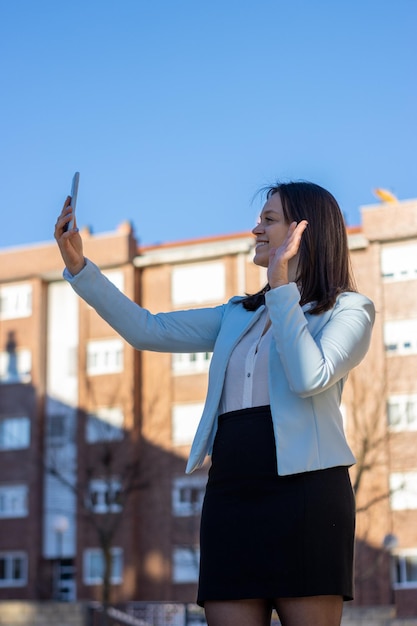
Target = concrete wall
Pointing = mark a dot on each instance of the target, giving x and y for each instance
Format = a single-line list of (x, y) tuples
[(374, 616), (16, 613)]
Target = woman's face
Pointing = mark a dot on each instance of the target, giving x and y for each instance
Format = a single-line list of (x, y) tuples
[(270, 231)]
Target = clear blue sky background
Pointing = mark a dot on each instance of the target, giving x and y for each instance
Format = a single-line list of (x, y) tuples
[(177, 111)]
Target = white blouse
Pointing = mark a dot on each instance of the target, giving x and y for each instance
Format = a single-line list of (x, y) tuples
[(246, 380)]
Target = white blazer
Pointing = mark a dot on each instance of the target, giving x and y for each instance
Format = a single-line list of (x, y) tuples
[(310, 358)]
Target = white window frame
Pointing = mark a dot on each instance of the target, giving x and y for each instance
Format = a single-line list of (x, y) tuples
[(185, 564), (92, 578), (103, 495), (11, 558), (13, 501), (184, 420), (400, 337), (105, 356), (403, 490), (405, 408), (399, 262), (191, 362), (14, 433), (400, 574), (21, 370), (197, 283), (117, 278), (188, 495), (105, 424), (15, 301)]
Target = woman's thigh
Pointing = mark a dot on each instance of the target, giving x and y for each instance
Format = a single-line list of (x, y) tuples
[(314, 611), (238, 613)]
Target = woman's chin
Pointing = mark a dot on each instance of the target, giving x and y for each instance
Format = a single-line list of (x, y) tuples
[(261, 259)]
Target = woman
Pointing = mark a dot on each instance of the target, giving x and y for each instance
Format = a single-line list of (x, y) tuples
[(277, 524)]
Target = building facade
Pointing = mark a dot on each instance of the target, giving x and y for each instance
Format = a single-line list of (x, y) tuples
[(94, 435), (381, 408)]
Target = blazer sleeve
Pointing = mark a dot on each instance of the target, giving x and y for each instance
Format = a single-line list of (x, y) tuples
[(316, 351), (193, 330)]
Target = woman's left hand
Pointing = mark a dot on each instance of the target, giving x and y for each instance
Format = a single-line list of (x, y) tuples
[(283, 261)]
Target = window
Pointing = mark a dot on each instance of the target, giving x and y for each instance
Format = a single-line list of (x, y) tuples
[(188, 495), (14, 433), (402, 412), (198, 283), (400, 337), (15, 301), (405, 569), (399, 262), (13, 501), (60, 429), (105, 357), (191, 362), (403, 489), (185, 418), (105, 424), (185, 564), (104, 495), (56, 428), (94, 566), (116, 277), (15, 366), (13, 569)]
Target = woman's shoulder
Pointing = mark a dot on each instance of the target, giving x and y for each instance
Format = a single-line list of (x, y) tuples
[(235, 308), (355, 300), (348, 298)]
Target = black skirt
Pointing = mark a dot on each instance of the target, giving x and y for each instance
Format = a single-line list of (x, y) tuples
[(267, 536)]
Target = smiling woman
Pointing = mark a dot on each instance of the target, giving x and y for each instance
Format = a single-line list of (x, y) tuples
[(271, 232), (321, 267), (277, 524)]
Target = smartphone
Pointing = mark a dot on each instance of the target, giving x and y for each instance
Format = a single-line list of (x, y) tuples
[(74, 194)]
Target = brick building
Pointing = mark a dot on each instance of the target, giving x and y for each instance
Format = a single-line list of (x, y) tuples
[(94, 435), (381, 408)]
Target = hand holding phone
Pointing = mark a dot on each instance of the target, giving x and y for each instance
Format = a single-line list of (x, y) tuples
[(74, 194)]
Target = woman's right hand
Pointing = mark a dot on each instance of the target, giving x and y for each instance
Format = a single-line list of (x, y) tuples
[(69, 242)]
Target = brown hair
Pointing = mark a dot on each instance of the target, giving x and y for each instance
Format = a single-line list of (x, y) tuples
[(324, 269)]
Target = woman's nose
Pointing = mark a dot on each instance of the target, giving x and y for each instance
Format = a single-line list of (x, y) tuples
[(257, 228)]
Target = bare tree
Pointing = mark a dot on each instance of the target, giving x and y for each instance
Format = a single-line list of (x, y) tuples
[(367, 422), (368, 434), (116, 463)]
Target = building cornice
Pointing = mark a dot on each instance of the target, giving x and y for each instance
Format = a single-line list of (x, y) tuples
[(357, 241), (201, 251)]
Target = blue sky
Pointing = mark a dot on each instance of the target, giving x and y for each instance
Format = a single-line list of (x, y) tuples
[(177, 111)]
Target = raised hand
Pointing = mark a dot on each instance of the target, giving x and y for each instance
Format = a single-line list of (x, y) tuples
[(69, 242), (282, 266)]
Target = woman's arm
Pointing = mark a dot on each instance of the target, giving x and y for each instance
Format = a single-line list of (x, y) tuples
[(193, 330), (313, 361), (179, 331)]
